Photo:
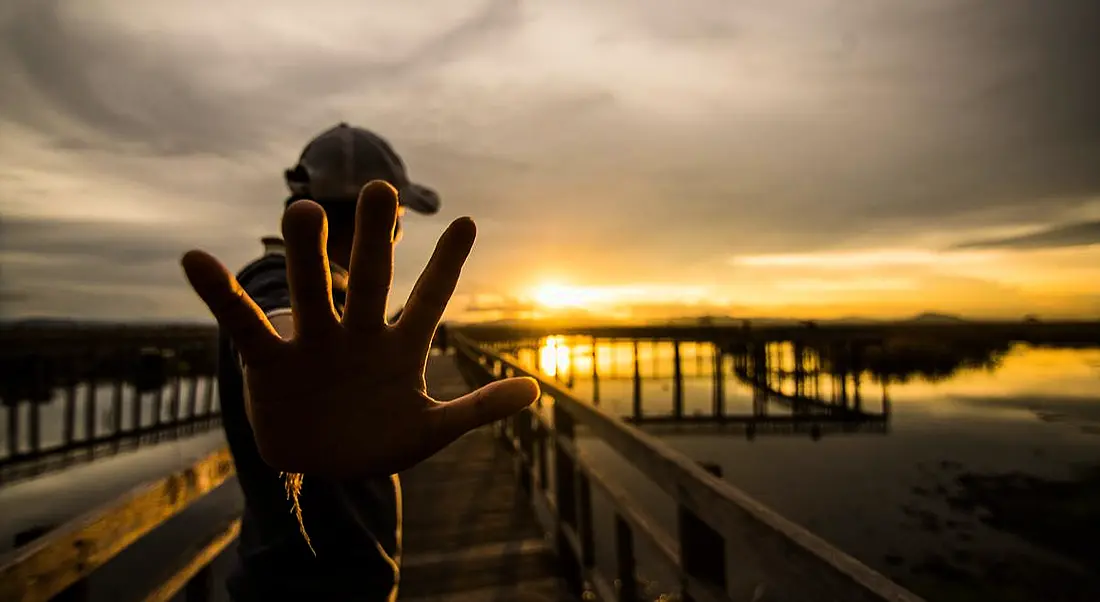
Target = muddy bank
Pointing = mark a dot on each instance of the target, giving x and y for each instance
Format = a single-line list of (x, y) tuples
[(1061, 517)]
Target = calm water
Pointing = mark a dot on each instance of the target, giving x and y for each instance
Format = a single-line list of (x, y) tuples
[(880, 496)]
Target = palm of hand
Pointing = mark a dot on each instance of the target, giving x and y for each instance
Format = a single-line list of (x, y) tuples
[(345, 396)]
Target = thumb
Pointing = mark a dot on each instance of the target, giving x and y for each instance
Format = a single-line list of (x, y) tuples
[(495, 401)]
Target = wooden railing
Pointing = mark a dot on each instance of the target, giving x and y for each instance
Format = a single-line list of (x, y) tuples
[(726, 545), (100, 390), (57, 564)]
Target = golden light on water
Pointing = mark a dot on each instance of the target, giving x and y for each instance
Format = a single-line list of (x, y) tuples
[(554, 355), (563, 356), (1025, 371)]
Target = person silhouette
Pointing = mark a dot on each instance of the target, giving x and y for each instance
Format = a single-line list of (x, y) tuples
[(322, 397)]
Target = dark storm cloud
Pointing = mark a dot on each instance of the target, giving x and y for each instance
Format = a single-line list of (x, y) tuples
[(1068, 235)]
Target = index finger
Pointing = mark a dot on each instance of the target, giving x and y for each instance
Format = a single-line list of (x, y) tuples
[(234, 310)]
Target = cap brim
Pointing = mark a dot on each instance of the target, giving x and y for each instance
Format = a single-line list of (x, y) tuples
[(420, 199)]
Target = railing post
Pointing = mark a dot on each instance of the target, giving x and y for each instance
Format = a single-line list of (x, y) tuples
[(509, 427), (572, 365), (192, 398), (68, 427), (136, 411), (35, 427), (557, 360), (174, 402), (211, 388), (527, 448), (542, 436), (799, 368), (12, 411), (117, 389), (158, 411), (595, 375), (637, 384), (200, 588), (91, 407), (566, 499), (857, 376), (624, 555), (719, 384), (815, 354), (702, 549), (77, 592), (677, 382), (613, 362), (585, 530)]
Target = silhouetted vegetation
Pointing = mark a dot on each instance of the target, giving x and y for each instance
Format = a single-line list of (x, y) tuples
[(903, 358)]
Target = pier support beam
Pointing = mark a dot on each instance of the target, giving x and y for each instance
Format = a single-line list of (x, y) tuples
[(637, 401), (677, 382), (702, 549), (719, 400), (595, 375)]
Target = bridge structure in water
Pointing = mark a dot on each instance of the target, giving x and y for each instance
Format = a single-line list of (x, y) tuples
[(506, 512)]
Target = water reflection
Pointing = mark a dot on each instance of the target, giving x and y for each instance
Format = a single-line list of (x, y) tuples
[(981, 491), (73, 399), (667, 382), (970, 372)]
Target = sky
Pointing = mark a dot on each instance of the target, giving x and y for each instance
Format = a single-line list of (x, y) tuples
[(632, 159)]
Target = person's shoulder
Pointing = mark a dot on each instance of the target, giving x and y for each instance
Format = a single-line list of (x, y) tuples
[(264, 266), (265, 280)]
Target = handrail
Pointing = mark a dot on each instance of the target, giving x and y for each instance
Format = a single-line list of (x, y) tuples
[(48, 565), (789, 562)]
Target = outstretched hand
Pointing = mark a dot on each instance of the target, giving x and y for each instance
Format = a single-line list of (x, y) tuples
[(345, 396)]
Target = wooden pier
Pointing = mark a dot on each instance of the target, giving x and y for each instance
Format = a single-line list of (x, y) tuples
[(758, 365), (504, 513), (469, 533)]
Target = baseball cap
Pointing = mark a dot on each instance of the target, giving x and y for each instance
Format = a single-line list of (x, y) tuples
[(336, 164)]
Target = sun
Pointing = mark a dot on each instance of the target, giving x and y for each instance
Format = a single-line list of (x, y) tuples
[(560, 296)]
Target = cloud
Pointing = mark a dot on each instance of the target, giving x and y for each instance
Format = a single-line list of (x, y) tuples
[(97, 270), (161, 81), (1066, 235), (861, 259), (620, 141)]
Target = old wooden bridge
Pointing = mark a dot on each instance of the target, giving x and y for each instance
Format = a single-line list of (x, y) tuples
[(505, 513)]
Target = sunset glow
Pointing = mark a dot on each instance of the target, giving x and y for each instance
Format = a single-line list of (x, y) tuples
[(559, 296), (612, 179), (866, 258)]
